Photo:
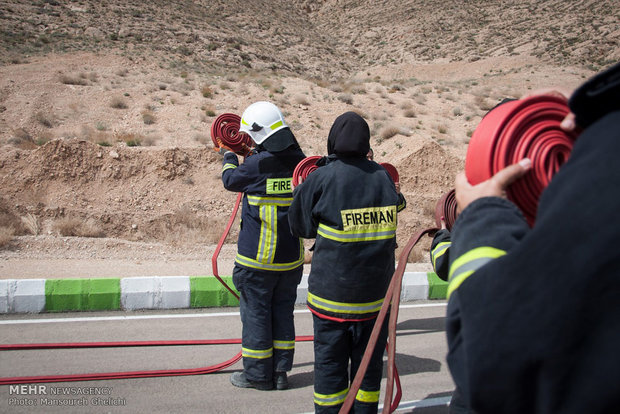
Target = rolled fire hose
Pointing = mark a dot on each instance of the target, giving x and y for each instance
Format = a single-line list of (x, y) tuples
[(304, 168), (528, 127), (225, 130), (391, 170), (446, 208)]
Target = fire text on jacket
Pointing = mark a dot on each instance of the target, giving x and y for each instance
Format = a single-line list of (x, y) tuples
[(279, 185)]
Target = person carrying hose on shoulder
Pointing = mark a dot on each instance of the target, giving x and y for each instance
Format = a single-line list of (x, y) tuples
[(350, 206), (534, 313), (269, 261)]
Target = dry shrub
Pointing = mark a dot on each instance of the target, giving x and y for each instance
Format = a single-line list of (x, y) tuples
[(360, 113), (346, 98), (44, 119), (483, 103), (74, 79), (75, 227), (131, 139), (31, 223), (185, 226), (22, 139), (204, 139), (148, 118), (206, 91), (390, 131), (6, 235), (302, 100), (409, 113), (118, 103)]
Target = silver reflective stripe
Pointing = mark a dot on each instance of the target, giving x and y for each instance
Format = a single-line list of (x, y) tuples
[(470, 266)]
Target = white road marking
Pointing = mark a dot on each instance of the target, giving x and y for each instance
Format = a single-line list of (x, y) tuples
[(166, 316)]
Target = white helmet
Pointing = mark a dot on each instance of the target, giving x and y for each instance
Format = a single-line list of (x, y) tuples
[(261, 120)]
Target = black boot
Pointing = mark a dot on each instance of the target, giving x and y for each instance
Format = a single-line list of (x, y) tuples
[(280, 381), (238, 379)]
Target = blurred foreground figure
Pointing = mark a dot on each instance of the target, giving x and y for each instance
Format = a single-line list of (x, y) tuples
[(533, 320)]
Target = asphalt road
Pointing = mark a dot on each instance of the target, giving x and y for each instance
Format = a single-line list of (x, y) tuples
[(421, 350)]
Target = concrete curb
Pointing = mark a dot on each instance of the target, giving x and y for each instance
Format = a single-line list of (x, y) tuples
[(158, 292)]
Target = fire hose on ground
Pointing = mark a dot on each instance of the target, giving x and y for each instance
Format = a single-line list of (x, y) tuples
[(513, 130)]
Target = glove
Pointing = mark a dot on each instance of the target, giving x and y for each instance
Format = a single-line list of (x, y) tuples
[(221, 148)]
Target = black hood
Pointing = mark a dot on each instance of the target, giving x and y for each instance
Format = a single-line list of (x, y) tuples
[(349, 136), (597, 97)]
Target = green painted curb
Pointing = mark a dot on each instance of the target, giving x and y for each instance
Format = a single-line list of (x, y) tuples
[(82, 294), (207, 291), (437, 288)]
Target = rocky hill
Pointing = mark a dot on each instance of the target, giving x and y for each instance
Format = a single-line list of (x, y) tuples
[(105, 107)]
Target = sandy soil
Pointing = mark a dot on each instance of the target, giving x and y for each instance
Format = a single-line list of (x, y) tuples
[(106, 161)]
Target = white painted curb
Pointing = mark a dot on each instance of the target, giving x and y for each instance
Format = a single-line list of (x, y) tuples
[(171, 292), (22, 296), (161, 292)]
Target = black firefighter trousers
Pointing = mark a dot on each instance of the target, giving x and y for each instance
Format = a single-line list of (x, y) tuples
[(335, 345), (267, 301)]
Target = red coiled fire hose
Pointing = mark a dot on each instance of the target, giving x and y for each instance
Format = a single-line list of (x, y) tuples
[(225, 130), (446, 208), (517, 129)]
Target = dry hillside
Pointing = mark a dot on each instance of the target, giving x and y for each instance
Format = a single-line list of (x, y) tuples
[(105, 107)]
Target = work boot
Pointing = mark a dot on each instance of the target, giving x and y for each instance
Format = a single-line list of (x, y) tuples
[(238, 379), (280, 381)]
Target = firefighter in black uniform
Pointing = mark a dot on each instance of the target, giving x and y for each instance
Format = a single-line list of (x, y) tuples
[(350, 206), (533, 317), (269, 261)]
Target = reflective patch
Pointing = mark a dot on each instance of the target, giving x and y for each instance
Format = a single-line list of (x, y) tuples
[(330, 399), (468, 263), (367, 396), (344, 307), (257, 353), (366, 219), (285, 345), (279, 185)]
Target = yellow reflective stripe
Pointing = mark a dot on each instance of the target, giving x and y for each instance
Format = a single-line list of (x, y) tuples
[(244, 123), (276, 201), (268, 234), (272, 267), (276, 125), (439, 251), (356, 235), (330, 399), (228, 166), (257, 353), (278, 344), (467, 264), (367, 396), (343, 307)]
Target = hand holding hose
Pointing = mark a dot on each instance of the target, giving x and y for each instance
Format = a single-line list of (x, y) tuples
[(221, 148), (493, 187)]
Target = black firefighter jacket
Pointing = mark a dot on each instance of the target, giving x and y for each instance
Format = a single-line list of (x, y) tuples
[(350, 206), (533, 319), (265, 241)]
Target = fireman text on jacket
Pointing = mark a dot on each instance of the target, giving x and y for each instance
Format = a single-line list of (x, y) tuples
[(368, 217)]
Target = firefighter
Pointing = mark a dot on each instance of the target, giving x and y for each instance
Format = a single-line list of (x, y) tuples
[(533, 313), (269, 261), (350, 206)]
